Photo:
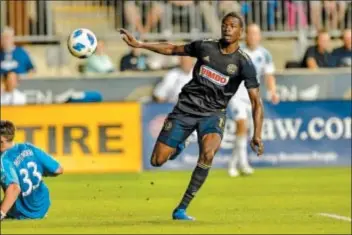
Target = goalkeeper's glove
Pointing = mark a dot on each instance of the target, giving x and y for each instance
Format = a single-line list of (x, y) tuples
[(3, 215)]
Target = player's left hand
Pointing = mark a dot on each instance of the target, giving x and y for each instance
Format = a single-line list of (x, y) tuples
[(257, 146), (129, 38)]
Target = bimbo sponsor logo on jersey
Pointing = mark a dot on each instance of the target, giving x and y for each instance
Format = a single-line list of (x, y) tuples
[(213, 76)]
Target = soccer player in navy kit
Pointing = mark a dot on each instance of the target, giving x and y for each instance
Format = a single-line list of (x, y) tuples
[(221, 67), (23, 167)]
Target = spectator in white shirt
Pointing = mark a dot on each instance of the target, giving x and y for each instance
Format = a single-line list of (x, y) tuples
[(171, 85), (10, 95)]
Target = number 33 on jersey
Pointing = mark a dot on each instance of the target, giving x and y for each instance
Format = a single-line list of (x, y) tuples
[(31, 179)]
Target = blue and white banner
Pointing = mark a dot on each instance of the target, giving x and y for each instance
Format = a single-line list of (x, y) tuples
[(292, 85), (312, 133)]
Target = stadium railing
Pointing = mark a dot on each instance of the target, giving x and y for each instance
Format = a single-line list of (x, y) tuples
[(52, 20), (31, 20), (3, 13)]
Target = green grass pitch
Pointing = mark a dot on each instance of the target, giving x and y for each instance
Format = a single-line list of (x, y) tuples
[(274, 201)]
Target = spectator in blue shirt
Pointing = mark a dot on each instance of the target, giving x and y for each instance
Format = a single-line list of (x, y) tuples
[(343, 55), (12, 57), (135, 60), (318, 56)]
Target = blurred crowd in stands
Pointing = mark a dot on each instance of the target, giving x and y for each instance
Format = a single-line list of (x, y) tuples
[(312, 15), (320, 54)]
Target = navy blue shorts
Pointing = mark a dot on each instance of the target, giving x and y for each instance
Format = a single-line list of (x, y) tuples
[(179, 125)]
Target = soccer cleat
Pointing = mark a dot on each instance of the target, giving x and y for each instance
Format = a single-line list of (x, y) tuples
[(233, 172), (180, 214), (179, 149), (247, 170)]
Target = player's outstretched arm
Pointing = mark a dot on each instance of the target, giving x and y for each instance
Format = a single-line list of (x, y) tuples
[(50, 165), (163, 48), (9, 181), (258, 117), (57, 172), (11, 194)]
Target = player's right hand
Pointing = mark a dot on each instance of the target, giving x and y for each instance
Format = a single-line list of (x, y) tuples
[(275, 99), (257, 146), (129, 39)]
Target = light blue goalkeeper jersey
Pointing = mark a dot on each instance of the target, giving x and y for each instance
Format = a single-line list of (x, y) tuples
[(26, 165)]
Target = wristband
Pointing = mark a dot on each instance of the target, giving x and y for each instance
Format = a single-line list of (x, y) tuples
[(3, 215)]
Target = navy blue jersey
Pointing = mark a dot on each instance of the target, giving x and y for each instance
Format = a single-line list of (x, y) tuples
[(25, 165), (216, 78)]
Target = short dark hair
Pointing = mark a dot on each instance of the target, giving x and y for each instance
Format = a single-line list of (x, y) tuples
[(322, 31), (7, 130), (234, 15)]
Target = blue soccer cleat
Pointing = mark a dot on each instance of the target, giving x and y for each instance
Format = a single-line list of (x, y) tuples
[(179, 149), (180, 214)]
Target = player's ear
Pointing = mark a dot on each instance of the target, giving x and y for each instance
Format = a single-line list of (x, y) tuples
[(241, 32)]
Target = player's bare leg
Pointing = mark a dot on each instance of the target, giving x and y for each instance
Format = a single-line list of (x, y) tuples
[(210, 144), (161, 154)]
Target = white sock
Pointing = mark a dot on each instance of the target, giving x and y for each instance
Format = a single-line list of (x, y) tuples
[(234, 160), (237, 152), (241, 151)]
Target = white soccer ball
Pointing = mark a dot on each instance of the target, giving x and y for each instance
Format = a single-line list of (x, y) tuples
[(82, 43)]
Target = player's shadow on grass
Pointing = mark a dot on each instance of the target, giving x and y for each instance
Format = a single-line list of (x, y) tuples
[(122, 223), (154, 222)]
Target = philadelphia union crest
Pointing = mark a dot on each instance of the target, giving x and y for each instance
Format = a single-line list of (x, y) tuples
[(231, 69)]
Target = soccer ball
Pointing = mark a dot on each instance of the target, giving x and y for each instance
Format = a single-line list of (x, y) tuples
[(82, 43)]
